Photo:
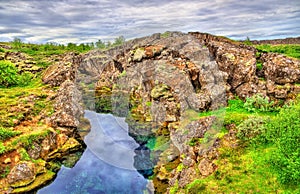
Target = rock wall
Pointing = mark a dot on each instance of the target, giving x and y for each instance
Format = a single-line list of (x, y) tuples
[(159, 82)]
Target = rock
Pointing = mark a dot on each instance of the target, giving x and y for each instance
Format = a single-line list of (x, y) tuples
[(22, 174), (7, 161), (61, 71), (186, 176), (35, 151), (67, 106), (280, 69), (206, 167)]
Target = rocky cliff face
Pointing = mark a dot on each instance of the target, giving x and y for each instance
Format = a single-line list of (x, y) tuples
[(159, 82)]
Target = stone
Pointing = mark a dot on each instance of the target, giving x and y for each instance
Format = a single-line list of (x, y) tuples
[(62, 70), (35, 151), (7, 161), (22, 174), (280, 69), (206, 167), (67, 107), (186, 176)]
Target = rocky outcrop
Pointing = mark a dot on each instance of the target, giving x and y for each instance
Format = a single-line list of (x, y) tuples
[(239, 64), (280, 69), (63, 70), (22, 174), (155, 81), (42, 149), (67, 106)]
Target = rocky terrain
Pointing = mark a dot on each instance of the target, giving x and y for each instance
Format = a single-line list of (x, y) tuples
[(160, 84)]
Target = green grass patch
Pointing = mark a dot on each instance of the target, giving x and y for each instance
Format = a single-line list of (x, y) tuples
[(7, 133), (291, 50)]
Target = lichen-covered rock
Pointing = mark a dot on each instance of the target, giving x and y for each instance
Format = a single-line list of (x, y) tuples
[(62, 70), (67, 106), (206, 167), (22, 174), (280, 69)]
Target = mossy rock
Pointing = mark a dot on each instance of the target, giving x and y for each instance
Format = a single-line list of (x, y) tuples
[(160, 91), (38, 182)]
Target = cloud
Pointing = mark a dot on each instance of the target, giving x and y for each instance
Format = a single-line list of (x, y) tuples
[(79, 21)]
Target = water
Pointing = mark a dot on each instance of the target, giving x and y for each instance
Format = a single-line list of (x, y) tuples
[(106, 166)]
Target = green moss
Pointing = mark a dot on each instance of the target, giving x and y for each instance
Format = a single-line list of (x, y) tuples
[(2, 148), (197, 186), (7, 133), (24, 155), (165, 34), (175, 188)]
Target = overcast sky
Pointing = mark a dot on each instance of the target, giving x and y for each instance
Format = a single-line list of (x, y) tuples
[(63, 21)]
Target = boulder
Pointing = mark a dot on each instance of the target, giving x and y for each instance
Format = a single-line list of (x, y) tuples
[(67, 106), (62, 70), (280, 69), (22, 174)]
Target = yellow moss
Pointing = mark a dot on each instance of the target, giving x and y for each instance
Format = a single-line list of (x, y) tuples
[(39, 181)]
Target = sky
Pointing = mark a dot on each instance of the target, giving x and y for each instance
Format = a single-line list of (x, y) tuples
[(79, 21)]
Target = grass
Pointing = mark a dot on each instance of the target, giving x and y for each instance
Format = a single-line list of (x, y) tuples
[(250, 167), (7, 133), (291, 50)]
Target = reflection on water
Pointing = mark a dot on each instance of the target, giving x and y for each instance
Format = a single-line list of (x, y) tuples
[(106, 166)]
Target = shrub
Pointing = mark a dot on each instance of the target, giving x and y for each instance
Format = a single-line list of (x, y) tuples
[(8, 74), (284, 132), (259, 103), (2, 148), (252, 130)]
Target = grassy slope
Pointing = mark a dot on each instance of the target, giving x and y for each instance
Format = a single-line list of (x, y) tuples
[(24, 106), (245, 168)]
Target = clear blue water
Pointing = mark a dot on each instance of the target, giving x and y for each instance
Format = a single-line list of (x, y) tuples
[(106, 166)]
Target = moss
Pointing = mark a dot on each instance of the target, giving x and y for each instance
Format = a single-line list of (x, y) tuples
[(174, 189), (160, 91), (24, 155), (165, 34), (39, 181)]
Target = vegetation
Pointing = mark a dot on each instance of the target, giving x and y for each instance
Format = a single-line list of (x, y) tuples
[(267, 159), (9, 75), (289, 50), (7, 133)]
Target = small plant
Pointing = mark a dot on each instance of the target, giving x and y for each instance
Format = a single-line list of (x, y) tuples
[(8, 74), (24, 155), (259, 103), (6, 133), (284, 132), (250, 129), (17, 43), (5, 171), (248, 41), (2, 148), (259, 65), (165, 34)]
